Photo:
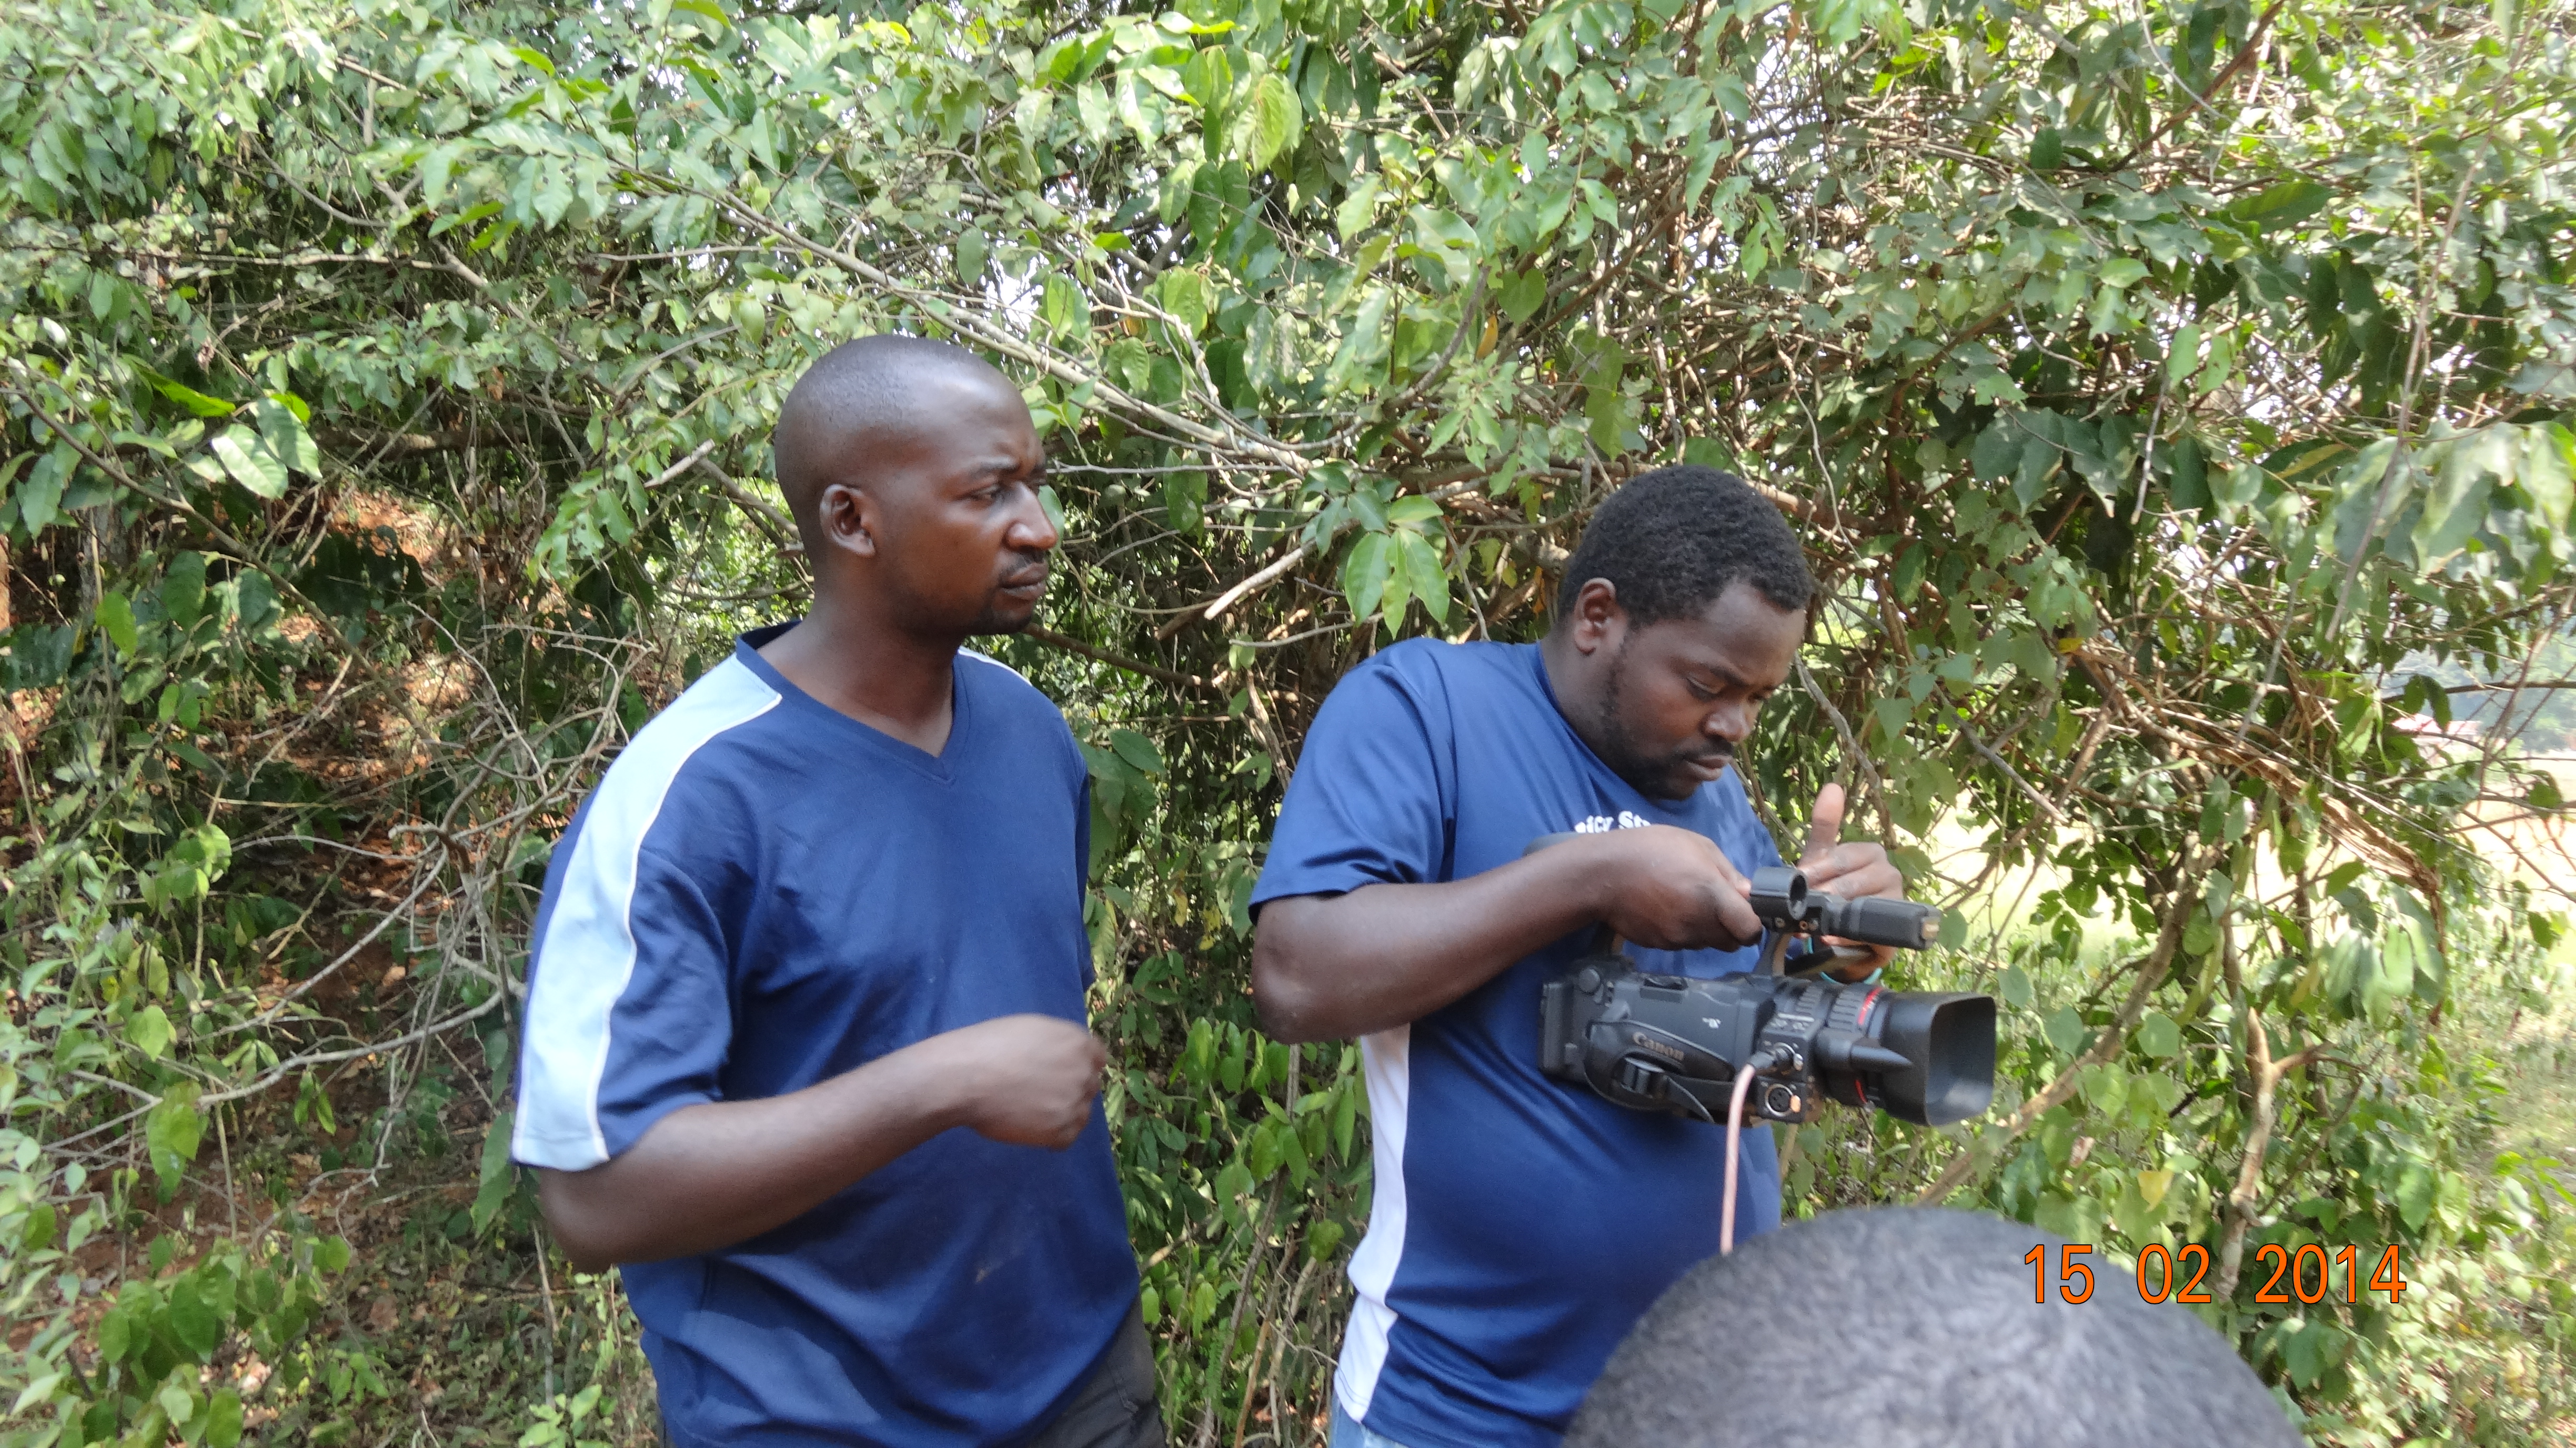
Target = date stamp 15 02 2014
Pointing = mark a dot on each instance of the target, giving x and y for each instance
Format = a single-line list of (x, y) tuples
[(2305, 1275)]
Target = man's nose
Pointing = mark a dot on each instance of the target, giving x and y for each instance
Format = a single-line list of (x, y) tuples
[(1728, 721), (1031, 531)]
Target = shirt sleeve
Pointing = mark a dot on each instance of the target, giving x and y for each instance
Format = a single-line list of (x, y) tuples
[(629, 1014), (1082, 876), (1374, 798)]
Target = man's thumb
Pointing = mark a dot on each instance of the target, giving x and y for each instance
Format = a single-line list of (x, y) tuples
[(1825, 827)]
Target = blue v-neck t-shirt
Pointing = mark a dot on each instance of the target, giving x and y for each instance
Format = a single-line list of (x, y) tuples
[(1520, 1225), (764, 893)]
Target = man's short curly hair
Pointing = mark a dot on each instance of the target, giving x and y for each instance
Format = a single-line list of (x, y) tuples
[(1674, 539)]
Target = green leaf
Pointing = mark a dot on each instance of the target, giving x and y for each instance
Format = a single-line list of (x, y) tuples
[(1066, 311), (706, 10), (188, 397), (1233, 1184), (183, 587), (39, 499), (2548, 471), (2106, 1088), (1997, 452), (1265, 1153), (1269, 121), (171, 1132), (40, 1390), (1137, 750), (247, 457), (2200, 936), (115, 614), (2136, 1212), (2547, 928), (1366, 572), (2013, 985), (1189, 296), (495, 1179), (193, 1322), (1522, 295), (150, 1031), (1413, 511), (2183, 358), (1359, 208), (281, 426), (1185, 500), (115, 1335), (224, 1419), (38, 1233), (2066, 1030), (331, 1254), (2543, 793), (2158, 1036), (2121, 271), (2287, 204), (1322, 1239), (1418, 566), (2414, 1194)]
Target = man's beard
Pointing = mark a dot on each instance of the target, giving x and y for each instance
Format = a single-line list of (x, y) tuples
[(1005, 615), (1663, 776)]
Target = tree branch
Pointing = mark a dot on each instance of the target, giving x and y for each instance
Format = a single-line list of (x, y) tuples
[(1054, 640), (2106, 1046)]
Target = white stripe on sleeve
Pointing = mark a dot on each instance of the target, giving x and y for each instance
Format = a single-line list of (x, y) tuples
[(583, 964)]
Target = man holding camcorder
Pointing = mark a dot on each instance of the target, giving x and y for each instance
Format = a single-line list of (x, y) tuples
[(1521, 1226)]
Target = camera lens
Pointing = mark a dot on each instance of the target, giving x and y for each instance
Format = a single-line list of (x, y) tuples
[(1950, 1039)]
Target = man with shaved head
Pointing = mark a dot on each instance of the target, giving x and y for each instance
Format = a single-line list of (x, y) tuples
[(805, 1053)]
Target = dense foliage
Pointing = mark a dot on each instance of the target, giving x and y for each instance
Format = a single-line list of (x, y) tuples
[(2176, 401)]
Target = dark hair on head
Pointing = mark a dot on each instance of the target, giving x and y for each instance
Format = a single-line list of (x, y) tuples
[(1673, 539), (1905, 1327)]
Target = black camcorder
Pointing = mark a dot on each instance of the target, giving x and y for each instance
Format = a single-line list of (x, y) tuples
[(1674, 1044)]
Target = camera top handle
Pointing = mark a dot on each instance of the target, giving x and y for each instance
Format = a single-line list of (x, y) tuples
[(1787, 907)]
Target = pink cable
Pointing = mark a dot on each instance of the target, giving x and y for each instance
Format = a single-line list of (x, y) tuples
[(1734, 1140)]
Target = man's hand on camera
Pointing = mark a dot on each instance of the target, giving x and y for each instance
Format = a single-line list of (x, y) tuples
[(1851, 870), (1671, 889)]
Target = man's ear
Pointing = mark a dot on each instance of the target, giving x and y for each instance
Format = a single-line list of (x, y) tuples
[(846, 514), (1597, 619)]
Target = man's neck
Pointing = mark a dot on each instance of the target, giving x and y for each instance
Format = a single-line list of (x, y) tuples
[(854, 662), (1559, 661)]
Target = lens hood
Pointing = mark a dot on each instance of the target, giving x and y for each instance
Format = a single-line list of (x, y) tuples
[(1950, 1040)]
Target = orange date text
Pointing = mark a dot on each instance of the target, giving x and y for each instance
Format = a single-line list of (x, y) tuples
[(2306, 1274)]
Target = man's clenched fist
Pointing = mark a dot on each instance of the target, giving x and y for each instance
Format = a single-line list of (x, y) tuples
[(1030, 1078)]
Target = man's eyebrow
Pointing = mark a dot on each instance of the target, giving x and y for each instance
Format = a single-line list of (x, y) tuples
[(995, 468), (1720, 670)]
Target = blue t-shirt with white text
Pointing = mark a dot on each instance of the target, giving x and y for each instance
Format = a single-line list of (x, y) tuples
[(1520, 1225), (764, 893)]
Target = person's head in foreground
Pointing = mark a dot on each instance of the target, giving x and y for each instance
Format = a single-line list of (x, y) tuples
[(1909, 1327)]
